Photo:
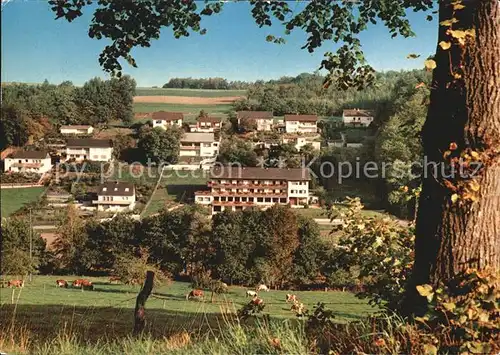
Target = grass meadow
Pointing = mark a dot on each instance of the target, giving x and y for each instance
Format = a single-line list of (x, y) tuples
[(14, 199), (188, 92), (187, 109), (42, 311)]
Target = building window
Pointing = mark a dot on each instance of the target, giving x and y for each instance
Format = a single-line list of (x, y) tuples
[(260, 199), (267, 199)]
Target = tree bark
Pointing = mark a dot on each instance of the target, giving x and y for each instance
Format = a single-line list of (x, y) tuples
[(452, 237), (142, 297)]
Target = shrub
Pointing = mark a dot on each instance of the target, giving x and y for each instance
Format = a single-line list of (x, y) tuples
[(379, 248), (464, 316), (132, 270)]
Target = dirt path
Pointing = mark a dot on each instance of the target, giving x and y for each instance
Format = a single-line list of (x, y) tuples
[(186, 100)]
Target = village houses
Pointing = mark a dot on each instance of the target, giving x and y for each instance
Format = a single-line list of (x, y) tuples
[(198, 145), (357, 117), (89, 149), (301, 123), (165, 119), (263, 119), (115, 196), (38, 162), (77, 130), (239, 188), (207, 125)]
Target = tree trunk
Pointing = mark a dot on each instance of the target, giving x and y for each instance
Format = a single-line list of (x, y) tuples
[(142, 297), (451, 237)]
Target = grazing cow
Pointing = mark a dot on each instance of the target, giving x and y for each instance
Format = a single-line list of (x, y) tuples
[(262, 287), (77, 283), (298, 308), (114, 279), (62, 283), (291, 298), (194, 294), (87, 285), (16, 283), (257, 301), (251, 293)]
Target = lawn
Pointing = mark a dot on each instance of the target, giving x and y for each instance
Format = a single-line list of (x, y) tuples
[(188, 92), (14, 199), (108, 310), (186, 109), (176, 187)]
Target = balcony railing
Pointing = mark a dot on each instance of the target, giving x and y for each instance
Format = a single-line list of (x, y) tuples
[(240, 185)]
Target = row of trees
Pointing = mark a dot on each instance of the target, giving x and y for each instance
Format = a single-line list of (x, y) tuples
[(206, 83), (275, 246), (305, 94), (35, 110)]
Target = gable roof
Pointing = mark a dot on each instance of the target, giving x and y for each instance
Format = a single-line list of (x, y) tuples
[(167, 116), (116, 188), (209, 119), (229, 172), (301, 118), (254, 114), (198, 137), (29, 154), (358, 113), (76, 127), (89, 142)]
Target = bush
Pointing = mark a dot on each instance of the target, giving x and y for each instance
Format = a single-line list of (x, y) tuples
[(132, 270), (380, 249)]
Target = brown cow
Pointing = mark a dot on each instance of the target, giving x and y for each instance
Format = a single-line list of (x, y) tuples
[(291, 298), (114, 279), (257, 301), (62, 283), (16, 283), (87, 285), (77, 283), (194, 294)]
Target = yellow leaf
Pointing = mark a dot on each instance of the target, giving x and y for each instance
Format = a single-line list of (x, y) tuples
[(470, 32), (424, 290), (474, 185), (449, 306), (457, 76), (474, 154), (445, 45), (458, 6), (457, 33), (430, 349), (454, 198), (446, 23), (430, 64)]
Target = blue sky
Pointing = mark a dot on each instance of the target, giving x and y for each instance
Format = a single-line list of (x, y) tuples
[(37, 47)]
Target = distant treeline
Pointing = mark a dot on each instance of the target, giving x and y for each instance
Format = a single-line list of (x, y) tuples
[(33, 110), (304, 94), (206, 83)]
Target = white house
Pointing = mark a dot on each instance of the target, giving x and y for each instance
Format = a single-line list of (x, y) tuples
[(207, 125), (300, 142), (77, 130), (357, 117), (38, 162), (89, 149), (236, 189), (263, 119), (165, 119), (198, 145), (301, 123), (115, 196)]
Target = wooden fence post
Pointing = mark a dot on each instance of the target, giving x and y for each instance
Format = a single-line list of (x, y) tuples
[(142, 297)]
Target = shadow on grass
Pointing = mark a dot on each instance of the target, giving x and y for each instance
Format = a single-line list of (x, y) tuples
[(183, 193), (95, 323)]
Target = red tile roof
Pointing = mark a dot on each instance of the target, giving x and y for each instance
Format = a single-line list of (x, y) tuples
[(167, 116), (254, 114), (301, 118), (358, 113), (248, 173)]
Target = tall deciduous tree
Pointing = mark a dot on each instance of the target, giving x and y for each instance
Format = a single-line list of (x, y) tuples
[(160, 146), (459, 220)]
